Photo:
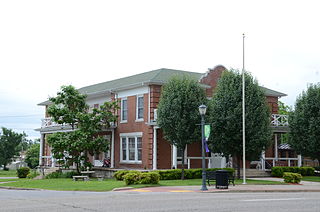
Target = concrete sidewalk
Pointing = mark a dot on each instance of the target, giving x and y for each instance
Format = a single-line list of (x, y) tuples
[(304, 186)]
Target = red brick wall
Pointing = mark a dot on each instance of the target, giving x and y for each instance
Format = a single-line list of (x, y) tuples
[(133, 126), (273, 104), (212, 78), (164, 152)]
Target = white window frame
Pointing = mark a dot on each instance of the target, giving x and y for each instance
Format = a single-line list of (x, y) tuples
[(137, 108), (121, 111), (134, 135)]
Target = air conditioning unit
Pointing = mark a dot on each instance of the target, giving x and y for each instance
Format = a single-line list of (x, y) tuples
[(155, 114)]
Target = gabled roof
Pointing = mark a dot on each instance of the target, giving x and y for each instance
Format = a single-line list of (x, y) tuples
[(159, 76)]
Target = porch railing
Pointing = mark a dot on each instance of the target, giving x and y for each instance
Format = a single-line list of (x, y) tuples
[(48, 122), (278, 120)]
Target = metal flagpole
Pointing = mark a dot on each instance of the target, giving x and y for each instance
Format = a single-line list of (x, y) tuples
[(243, 120)]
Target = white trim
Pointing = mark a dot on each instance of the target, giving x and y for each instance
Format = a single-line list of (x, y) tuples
[(112, 149), (154, 161), (174, 157), (138, 134), (133, 92), (137, 107), (121, 111), (41, 149), (149, 103)]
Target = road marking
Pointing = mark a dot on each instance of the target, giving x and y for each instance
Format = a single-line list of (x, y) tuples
[(264, 200)]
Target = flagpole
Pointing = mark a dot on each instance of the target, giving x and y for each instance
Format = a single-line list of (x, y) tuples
[(243, 118)]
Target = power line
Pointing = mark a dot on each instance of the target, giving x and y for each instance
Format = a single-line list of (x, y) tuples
[(21, 116)]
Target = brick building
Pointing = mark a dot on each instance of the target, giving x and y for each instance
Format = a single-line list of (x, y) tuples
[(135, 140)]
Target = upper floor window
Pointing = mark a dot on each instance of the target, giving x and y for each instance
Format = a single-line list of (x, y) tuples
[(139, 111), (124, 110)]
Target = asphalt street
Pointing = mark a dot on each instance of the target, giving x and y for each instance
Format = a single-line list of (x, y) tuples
[(22, 200)]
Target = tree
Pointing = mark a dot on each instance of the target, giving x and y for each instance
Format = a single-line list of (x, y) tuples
[(32, 155), (178, 114), (284, 110), (9, 140), (226, 118), (304, 123), (69, 108)]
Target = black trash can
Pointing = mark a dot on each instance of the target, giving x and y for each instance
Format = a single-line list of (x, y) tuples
[(222, 179)]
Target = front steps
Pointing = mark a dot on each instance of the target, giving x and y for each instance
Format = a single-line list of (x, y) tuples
[(255, 173), (50, 170)]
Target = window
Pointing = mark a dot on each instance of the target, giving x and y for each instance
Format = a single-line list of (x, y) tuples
[(139, 111), (124, 110), (131, 147)]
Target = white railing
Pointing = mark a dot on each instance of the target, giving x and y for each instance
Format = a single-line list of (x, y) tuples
[(278, 120), (48, 122)]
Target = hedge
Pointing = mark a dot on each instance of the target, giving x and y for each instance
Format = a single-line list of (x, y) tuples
[(141, 178), (290, 177), (277, 171), (172, 174), (175, 174)]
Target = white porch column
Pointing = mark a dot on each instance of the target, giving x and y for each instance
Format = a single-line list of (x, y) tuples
[(174, 156), (112, 149), (223, 162), (154, 162), (276, 146), (41, 149), (299, 161), (53, 160), (263, 158)]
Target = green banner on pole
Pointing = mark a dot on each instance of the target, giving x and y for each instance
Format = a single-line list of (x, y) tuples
[(207, 129)]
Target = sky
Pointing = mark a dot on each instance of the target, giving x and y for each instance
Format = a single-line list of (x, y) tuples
[(47, 44)]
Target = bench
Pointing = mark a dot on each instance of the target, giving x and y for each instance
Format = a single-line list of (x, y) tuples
[(84, 178), (211, 176)]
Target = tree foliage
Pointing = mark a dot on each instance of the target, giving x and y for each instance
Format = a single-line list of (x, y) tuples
[(178, 113), (9, 141), (226, 117), (69, 108), (32, 155), (305, 123)]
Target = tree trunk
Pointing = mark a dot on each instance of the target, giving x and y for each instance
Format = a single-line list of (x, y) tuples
[(182, 163), (238, 166)]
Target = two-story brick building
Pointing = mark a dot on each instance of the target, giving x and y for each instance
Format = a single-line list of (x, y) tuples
[(135, 140)]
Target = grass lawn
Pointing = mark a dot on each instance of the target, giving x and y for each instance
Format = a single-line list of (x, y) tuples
[(311, 178), (106, 185), (10, 173)]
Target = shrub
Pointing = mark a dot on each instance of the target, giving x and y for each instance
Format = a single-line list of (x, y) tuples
[(132, 178), (61, 175), (277, 171), (33, 174), (317, 168), (290, 177), (118, 175), (149, 178), (23, 172)]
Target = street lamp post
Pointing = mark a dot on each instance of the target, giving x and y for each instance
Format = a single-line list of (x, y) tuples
[(202, 111)]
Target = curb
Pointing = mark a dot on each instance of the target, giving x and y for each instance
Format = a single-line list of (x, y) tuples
[(15, 188), (122, 189), (261, 191)]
